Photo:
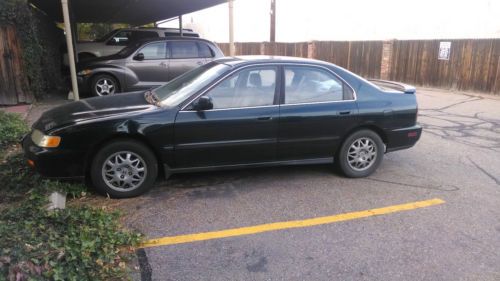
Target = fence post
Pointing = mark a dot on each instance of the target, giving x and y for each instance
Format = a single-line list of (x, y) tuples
[(262, 48), (385, 65), (311, 50)]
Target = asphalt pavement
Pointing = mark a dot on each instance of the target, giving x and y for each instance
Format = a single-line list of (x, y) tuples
[(457, 160)]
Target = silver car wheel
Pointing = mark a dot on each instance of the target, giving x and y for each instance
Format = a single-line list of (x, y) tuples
[(105, 86), (362, 154), (124, 171)]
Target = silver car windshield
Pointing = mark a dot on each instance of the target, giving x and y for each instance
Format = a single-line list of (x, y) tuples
[(182, 87)]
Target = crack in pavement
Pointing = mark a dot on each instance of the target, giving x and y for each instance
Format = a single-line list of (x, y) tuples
[(471, 99), (495, 179), (453, 188), (465, 130)]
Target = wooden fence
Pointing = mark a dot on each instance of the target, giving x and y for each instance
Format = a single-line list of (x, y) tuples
[(13, 81), (474, 64)]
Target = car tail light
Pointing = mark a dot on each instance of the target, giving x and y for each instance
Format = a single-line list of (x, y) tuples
[(412, 134)]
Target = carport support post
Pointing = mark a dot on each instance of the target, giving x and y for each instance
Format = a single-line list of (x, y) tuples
[(71, 53), (231, 29), (180, 25)]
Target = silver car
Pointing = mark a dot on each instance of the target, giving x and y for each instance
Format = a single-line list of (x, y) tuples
[(116, 40), (145, 64)]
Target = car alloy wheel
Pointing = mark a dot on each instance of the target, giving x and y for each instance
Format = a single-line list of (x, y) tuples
[(362, 154), (105, 86), (124, 171)]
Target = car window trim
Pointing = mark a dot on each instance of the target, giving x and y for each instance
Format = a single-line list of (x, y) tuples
[(282, 98), (281, 66), (277, 90)]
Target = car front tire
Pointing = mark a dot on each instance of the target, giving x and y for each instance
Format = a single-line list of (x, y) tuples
[(361, 154), (104, 85), (123, 169)]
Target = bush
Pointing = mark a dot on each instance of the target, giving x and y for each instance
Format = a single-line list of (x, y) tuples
[(12, 128), (77, 243)]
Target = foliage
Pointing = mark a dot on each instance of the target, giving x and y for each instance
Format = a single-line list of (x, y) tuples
[(12, 128), (93, 31), (76, 243)]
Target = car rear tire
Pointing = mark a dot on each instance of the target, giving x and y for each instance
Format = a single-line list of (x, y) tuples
[(361, 154), (123, 169), (104, 85)]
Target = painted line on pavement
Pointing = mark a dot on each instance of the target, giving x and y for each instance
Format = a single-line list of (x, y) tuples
[(187, 238)]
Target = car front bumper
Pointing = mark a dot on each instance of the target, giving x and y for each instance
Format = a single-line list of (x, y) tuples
[(403, 138), (54, 162)]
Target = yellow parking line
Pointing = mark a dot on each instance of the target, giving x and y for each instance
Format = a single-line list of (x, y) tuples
[(171, 240)]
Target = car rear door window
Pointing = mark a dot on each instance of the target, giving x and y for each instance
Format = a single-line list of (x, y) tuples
[(183, 49), (246, 88), (154, 51), (310, 85)]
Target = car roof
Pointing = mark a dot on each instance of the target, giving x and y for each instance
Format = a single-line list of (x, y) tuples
[(172, 38), (255, 59), (188, 30)]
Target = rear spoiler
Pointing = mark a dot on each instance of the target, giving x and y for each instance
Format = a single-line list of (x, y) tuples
[(407, 89)]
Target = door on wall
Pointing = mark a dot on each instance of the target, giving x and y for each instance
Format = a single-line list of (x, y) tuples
[(13, 82)]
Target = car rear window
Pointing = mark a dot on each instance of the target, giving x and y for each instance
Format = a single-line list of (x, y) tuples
[(204, 51)]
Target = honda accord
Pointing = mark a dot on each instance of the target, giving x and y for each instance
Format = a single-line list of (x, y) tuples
[(230, 113)]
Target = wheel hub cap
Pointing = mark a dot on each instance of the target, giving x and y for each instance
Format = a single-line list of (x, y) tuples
[(105, 87), (124, 171), (362, 154)]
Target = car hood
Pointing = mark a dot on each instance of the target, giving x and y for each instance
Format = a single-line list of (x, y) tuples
[(94, 109), (98, 61)]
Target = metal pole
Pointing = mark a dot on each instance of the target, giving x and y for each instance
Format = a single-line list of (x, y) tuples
[(273, 21), (69, 43), (180, 24), (231, 29)]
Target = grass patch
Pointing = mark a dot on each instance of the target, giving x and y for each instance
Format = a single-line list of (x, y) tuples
[(12, 128)]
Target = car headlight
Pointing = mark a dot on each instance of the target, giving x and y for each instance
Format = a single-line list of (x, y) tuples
[(84, 72), (42, 140)]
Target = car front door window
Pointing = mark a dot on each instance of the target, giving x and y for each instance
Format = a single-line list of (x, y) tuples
[(247, 88), (154, 51)]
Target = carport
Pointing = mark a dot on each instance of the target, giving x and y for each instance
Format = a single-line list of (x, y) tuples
[(132, 12)]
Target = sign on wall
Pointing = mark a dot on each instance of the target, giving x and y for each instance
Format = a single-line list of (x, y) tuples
[(444, 50)]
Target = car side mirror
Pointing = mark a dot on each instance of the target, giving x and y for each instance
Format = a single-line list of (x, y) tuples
[(139, 57), (203, 103)]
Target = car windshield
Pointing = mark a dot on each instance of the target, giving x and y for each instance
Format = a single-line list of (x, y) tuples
[(180, 88)]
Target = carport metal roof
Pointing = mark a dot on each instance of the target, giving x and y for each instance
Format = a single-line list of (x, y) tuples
[(136, 12)]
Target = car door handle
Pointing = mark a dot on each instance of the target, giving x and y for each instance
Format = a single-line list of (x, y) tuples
[(344, 112), (200, 63), (264, 118), (388, 112), (163, 64)]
